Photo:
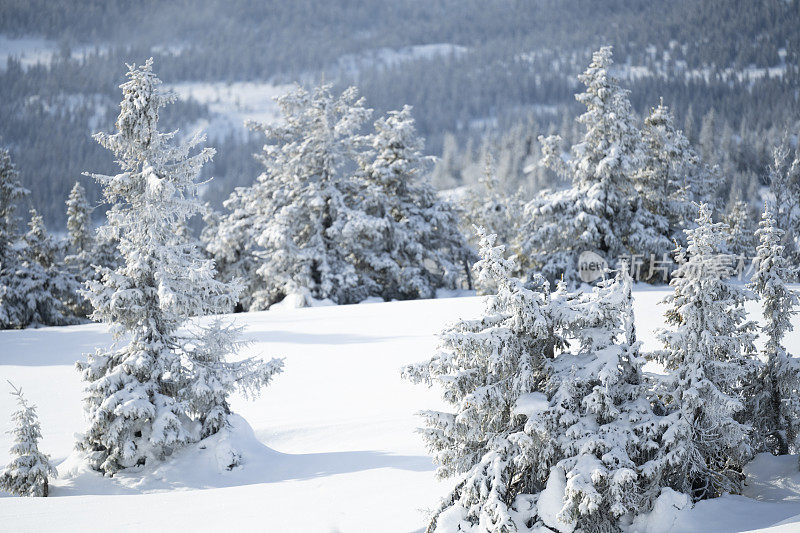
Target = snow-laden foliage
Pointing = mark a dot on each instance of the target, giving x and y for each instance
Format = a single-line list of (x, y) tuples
[(12, 306), (488, 205), (337, 215), (80, 247), (484, 367), (742, 238), (43, 280), (32, 283), (775, 406), (148, 394), (708, 357), (403, 240), (599, 433), (784, 185), (602, 211), (29, 470), (543, 430), (301, 195), (672, 176)]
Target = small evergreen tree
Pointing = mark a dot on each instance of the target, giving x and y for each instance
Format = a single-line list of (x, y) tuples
[(485, 366), (80, 248), (775, 407), (144, 396), (708, 358), (29, 471), (741, 231)]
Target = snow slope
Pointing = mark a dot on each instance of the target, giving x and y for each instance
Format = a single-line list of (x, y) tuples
[(332, 445)]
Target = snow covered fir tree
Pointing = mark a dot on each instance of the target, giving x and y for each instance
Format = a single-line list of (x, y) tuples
[(30, 470), (33, 284), (542, 433), (775, 404), (602, 212), (709, 358), (313, 228), (158, 388), (80, 247)]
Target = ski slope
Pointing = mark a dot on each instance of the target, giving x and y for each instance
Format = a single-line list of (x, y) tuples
[(330, 446)]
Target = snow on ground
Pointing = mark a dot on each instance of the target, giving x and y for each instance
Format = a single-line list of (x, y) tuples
[(330, 446), (231, 104)]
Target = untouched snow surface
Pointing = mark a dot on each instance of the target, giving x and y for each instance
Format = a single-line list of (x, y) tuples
[(330, 446)]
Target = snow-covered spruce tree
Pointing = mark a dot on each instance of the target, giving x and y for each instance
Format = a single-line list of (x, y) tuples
[(602, 211), (13, 308), (672, 176), (598, 434), (29, 470), (485, 366), (708, 356), (403, 240), (41, 285), (775, 406), (301, 196), (573, 431), (156, 389), (784, 176), (80, 248), (742, 239)]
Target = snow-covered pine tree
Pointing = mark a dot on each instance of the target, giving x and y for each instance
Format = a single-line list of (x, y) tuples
[(485, 366), (80, 248), (708, 358), (543, 434), (403, 240), (742, 240), (301, 196), (672, 176), (784, 184), (40, 285), (598, 433), (602, 212), (29, 471), (13, 308), (775, 406), (143, 395)]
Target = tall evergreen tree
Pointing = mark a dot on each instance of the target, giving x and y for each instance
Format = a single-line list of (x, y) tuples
[(602, 212), (708, 358), (784, 185), (672, 176), (301, 196), (485, 366), (401, 237), (29, 471), (142, 393), (13, 308), (775, 407)]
